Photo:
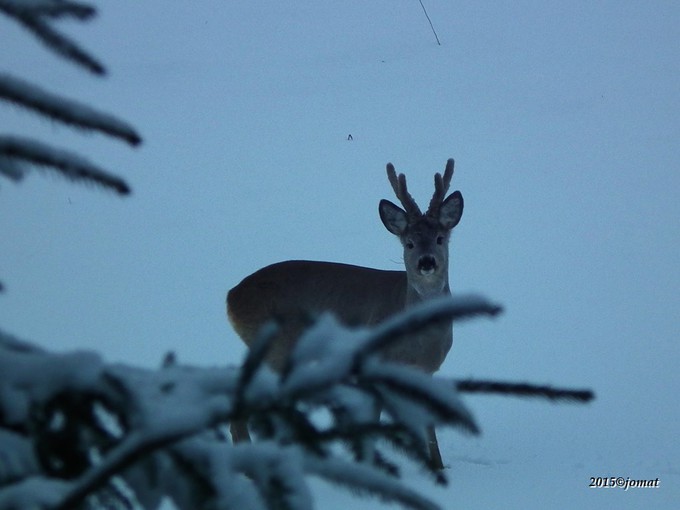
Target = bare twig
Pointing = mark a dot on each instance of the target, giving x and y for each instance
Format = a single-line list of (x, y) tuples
[(430, 22), (524, 390)]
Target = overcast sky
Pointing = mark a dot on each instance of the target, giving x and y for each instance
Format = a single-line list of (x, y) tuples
[(562, 118)]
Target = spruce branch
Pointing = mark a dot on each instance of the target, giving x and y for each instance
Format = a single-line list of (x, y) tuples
[(57, 8), (377, 339), (11, 169), (367, 480), (415, 319), (164, 436), (411, 444), (37, 19), (64, 110), (143, 438), (401, 437), (423, 396), (70, 165), (135, 447)]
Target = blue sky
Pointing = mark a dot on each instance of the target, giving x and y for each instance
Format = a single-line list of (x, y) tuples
[(562, 118)]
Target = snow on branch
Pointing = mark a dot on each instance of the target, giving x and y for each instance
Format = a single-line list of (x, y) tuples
[(435, 310), (64, 110), (17, 154), (75, 430), (35, 493), (325, 360), (167, 421), (440, 404), (365, 480), (37, 15)]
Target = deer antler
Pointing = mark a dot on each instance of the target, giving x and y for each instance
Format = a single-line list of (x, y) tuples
[(441, 186), (401, 191)]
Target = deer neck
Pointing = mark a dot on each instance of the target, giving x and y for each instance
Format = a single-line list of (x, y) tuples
[(419, 291)]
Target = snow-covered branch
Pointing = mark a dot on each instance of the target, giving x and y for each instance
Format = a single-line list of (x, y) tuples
[(78, 428), (441, 309), (92, 422)]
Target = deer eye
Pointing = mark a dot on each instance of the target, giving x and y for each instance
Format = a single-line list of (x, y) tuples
[(409, 245), (440, 239)]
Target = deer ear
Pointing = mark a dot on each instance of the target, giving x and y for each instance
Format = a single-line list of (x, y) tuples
[(393, 217), (451, 210)]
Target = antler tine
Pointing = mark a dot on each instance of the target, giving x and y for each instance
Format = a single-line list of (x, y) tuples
[(401, 191), (448, 173), (441, 186), (392, 176)]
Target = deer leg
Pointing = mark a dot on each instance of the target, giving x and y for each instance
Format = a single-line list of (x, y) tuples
[(435, 455), (239, 431)]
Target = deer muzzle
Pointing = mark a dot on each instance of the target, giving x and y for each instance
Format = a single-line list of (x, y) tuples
[(427, 265)]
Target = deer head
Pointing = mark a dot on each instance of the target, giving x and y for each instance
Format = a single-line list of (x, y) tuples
[(425, 237)]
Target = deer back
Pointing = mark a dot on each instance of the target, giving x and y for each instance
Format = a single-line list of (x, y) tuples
[(294, 292)]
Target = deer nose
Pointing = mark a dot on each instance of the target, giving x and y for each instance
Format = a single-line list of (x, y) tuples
[(427, 265)]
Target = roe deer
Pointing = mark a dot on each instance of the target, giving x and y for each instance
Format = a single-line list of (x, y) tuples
[(292, 291)]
